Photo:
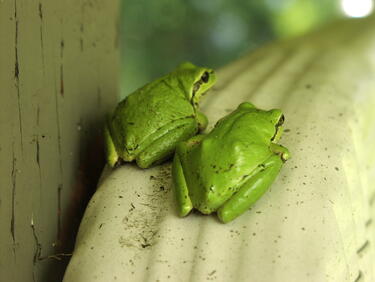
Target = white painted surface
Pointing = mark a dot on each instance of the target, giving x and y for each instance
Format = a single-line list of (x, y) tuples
[(316, 221)]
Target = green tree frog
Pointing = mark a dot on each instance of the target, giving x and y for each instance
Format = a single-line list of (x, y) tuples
[(147, 125), (231, 167)]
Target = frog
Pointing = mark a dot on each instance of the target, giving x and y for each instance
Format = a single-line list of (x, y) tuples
[(146, 126), (228, 169)]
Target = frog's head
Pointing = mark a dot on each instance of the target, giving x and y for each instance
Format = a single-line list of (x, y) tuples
[(196, 81), (277, 119)]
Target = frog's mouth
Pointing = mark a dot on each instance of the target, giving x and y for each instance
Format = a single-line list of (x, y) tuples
[(278, 128)]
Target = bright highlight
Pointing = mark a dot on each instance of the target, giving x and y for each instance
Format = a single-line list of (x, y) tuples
[(357, 8)]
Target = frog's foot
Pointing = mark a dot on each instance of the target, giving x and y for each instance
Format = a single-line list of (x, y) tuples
[(163, 147), (184, 204), (251, 190), (202, 121), (281, 151), (110, 149)]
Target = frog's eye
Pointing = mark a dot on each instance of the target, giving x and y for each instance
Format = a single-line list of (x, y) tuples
[(205, 77), (278, 124), (281, 121)]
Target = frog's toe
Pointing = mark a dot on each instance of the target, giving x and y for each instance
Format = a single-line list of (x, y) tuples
[(224, 215), (184, 210)]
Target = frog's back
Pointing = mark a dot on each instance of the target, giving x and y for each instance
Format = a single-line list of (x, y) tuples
[(149, 108), (243, 139), (228, 156)]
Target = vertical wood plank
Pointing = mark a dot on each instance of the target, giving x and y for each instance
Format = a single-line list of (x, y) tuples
[(58, 78)]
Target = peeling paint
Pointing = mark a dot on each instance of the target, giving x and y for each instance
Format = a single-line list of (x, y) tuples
[(41, 35), (62, 68), (58, 131), (17, 76), (14, 185), (37, 157), (59, 189), (37, 151), (38, 245)]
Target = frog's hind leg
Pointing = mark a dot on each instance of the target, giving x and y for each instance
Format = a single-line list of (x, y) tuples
[(162, 148), (251, 190), (110, 148)]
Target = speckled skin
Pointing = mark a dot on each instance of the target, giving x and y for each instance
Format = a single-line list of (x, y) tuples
[(147, 125), (228, 169)]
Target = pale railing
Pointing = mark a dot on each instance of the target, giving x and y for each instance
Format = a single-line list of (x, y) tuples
[(316, 223)]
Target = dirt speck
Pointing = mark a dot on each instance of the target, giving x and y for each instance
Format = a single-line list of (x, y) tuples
[(141, 223)]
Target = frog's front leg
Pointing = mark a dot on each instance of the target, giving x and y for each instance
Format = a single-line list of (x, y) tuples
[(163, 147), (202, 120), (184, 204), (251, 190), (110, 148)]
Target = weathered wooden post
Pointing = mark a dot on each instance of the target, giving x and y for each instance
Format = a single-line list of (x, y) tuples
[(58, 76)]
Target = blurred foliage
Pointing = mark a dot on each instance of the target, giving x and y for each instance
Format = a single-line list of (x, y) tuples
[(158, 35)]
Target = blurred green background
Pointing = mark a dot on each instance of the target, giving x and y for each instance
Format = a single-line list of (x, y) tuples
[(158, 35)]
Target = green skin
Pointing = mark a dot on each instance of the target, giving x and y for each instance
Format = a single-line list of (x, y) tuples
[(231, 167), (148, 124)]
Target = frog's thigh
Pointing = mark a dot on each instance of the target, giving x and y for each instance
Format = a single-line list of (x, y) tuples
[(251, 190), (184, 205), (111, 153), (163, 147)]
